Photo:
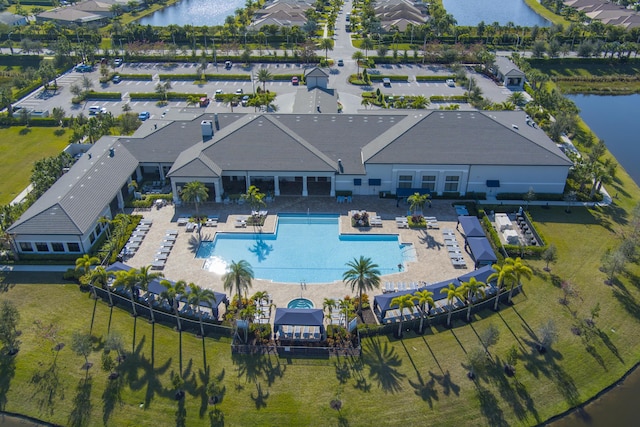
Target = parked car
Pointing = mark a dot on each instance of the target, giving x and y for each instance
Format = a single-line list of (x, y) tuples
[(116, 79), (386, 82), (204, 102), (340, 63), (245, 100), (117, 62), (228, 65), (295, 81), (451, 83), (82, 68), (239, 91), (218, 91), (144, 116)]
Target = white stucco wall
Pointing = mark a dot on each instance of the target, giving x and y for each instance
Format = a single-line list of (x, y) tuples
[(518, 179)]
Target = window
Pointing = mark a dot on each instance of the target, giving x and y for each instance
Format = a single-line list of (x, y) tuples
[(451, 183), (97, 230), (429, 182), (92, 238), (73, 247), (405, 181), (357, 182), (373, 182), (26, 247), (42, 247), (57, 247)]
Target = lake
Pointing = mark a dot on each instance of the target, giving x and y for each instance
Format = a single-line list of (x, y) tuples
[(615, 120), (471, 12), (193, 12)]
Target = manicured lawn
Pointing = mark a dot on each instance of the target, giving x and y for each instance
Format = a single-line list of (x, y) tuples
[(395, 382), (19, 150)]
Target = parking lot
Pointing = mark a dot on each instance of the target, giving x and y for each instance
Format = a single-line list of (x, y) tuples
[(350, 95)]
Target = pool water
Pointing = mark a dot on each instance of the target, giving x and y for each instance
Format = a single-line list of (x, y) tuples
[(304, 249), (300, 303)]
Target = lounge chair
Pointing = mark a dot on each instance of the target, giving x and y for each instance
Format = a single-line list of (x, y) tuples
[(170, 237), (211, 222), (157, 265), (240, 223), (191, 226), (172, 232), (145, 221), (183, 221), (165, 249), (161, 256)]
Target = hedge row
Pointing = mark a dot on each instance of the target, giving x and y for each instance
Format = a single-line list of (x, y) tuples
[(521, 196), (435, 78), (172, 96), (148, 200), (103, 95), (452, 98), (141, 77), (379, 77)]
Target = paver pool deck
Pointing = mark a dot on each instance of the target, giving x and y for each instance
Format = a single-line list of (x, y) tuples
[(432, 263)]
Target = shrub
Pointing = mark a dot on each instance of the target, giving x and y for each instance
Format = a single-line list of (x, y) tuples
[(103, 95), (435, 78)]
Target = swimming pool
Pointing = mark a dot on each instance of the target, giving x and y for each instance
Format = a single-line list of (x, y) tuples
[(304, 249), (300, 303)]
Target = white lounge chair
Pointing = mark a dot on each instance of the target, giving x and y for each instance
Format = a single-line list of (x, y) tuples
[(157, 265), (182, 221)]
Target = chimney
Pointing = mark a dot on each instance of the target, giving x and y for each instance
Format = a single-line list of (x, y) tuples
[(207, 129), (215, 118)]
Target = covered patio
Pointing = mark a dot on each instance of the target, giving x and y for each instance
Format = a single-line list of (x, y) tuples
[(299, 324)]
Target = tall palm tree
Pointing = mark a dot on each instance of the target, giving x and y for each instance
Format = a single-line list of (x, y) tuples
[(357, 56), (171, 294), (194, 192), (145, 277), (99, 276), (417, 202), (502, 275), (367, 45), (238, 278), (452, 294), (424, 298), (263, 77), (519, 271), (85, 262), (402, 302), (327, 45), (199, 296), (328, 305), (420, 102), (471, 289), (362, 275), (128, 279)]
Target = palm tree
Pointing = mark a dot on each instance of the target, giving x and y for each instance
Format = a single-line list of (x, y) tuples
[(238, 278), (357, 56), (199, 296), (471, 289), (519, 270), (100, 277), (366, 44), (517, 98), (145, 277), (502, 274), (327, 45), (417, 202), (402, 302), (128, 279), (194, 192), (254, 198), (424, 299), (420, 102), (362, 275), (365, 102), (328, 305), (263, 77), (171, 294), (85, 262), (452, 293)]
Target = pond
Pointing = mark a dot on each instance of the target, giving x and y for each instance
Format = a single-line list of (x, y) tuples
[(615, 120), (471, 12), (193, 12)]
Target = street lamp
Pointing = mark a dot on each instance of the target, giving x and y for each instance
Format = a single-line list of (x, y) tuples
[(10, 43), (215, 59)]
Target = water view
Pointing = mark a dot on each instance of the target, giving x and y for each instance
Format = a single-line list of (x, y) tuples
[(614, 119), (471, 12), (193, 12), (305, 248)]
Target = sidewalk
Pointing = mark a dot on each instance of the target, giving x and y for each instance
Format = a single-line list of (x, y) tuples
[(36, 268)]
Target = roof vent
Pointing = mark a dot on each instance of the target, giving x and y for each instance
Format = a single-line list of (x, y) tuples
[(112, 152), (340, 167), (515, 127), (89, 156), (207, 129), (215, 119)]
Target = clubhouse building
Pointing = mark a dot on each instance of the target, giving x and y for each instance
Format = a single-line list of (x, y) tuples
[(443, 152)]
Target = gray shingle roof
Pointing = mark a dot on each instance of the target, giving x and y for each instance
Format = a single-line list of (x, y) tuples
[(74, 202), (466, 138), (506, 66), (316, 72)]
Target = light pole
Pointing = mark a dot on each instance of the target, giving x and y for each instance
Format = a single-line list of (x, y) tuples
[(10, 42), (215, 59)]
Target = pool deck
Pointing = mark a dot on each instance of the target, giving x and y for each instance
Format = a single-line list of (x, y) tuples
[(432, 265)]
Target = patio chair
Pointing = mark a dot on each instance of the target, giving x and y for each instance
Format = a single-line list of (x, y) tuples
[(191, 226), (157, 265), (145, 221), (172, 232), (161, 256), (240, 223)]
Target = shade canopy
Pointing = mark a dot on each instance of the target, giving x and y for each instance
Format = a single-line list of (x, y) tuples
[(436, 288), (481, 274), (471, 226), (383, 302), (481, 251), (298, 317), (118, 266)]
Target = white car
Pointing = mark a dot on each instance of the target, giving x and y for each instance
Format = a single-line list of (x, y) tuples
[(451, 83)]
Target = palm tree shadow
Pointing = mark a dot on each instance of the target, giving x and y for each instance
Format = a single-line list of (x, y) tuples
[(490, 408), (81, 411), (110, 397), (429, 240), (260, 400), (425, 390), (343, 371), (382, 362), (446, 383), (150, 377), (181, 414), (194, 243), (47, 387)]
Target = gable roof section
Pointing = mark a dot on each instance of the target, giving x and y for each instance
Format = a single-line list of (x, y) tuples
[(317, 72), (505, 66), (73, 203), (465, 138), (264, 144)]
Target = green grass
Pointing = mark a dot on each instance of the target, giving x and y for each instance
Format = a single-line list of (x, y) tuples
[(20, 148), (546, 13)]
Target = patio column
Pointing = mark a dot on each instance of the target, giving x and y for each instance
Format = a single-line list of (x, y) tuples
[(332, 192), (174, 190), (120, 199), (218, 187), (161, 171), (247, 182), (304, 186), (276, 185), (139, 175)]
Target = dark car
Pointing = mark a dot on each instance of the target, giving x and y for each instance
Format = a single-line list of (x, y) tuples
[(227, 65)]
